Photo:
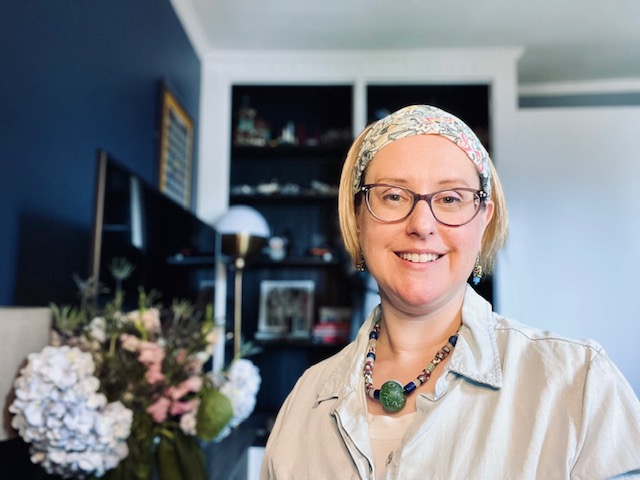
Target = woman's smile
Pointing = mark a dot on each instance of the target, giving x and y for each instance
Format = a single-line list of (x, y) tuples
[(419, 257)]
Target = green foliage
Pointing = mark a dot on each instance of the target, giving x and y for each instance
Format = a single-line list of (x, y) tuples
[(68, 321), (214, 413), (179, 457)]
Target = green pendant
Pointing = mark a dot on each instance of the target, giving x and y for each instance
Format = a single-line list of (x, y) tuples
[(392, 396)]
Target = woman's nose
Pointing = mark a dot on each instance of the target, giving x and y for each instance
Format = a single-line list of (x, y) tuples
[(421, 221)]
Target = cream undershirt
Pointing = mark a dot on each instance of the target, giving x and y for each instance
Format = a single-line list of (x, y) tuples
[(386, 435)]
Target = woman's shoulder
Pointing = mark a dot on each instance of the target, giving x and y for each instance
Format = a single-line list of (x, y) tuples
[(329, 371), (525, 340), (541, 336)]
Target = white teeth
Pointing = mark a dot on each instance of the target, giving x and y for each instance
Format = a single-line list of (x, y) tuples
[(419, 257)]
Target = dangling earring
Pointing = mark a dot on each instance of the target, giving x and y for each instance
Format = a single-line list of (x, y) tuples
[(360, 265), (477, 271)]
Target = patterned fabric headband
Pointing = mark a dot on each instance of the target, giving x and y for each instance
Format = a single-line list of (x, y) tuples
[(422, 120)]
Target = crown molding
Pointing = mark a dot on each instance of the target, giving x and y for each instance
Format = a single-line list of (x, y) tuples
[(587, 87)]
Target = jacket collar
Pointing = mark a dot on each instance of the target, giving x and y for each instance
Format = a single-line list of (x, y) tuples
[(476, 355)]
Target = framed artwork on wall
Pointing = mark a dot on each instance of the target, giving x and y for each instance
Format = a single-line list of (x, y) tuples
[(175, 148), (286, 309)]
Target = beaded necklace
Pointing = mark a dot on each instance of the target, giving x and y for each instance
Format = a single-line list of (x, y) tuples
[(392, 395)]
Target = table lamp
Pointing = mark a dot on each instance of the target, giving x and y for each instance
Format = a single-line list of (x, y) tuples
[(243, 232)]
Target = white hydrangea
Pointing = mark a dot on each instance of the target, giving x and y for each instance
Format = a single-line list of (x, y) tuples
[(72, 429), (240, 385), (98, 329)]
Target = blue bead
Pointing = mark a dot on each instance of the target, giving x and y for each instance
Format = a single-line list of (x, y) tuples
[(409, 388), (376, 394), (453, 339), (371, 355), (373, 335)]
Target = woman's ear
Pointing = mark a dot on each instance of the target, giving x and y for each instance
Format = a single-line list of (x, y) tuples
[(487, 214)]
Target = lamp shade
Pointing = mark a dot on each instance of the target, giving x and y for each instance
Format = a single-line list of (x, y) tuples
[(243, 229), (242, 219)]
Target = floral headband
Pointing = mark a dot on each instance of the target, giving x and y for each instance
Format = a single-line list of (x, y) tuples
[(422, 120)]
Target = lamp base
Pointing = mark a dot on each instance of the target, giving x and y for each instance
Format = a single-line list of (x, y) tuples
[(241, 245)]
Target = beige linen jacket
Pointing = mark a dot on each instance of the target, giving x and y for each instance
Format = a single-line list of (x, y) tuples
[(513, 403)]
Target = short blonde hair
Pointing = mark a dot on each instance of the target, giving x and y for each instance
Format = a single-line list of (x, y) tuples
[(494, 236)]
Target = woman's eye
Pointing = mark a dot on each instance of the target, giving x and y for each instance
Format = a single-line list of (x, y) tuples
[(394, 197), (449, 197)]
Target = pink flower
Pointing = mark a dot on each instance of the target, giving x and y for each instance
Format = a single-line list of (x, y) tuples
[(129, 342), (150, 353), (180, 408), (159, 409), (150, 319), (154, 374), (191, 384), (182, 355)]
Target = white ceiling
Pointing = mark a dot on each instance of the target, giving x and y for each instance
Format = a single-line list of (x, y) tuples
[(563, 40)]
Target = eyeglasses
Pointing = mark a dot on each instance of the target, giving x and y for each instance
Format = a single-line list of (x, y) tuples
[(453, 207)]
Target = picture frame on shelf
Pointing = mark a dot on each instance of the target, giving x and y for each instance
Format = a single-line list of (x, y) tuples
[(176, 138), (286, 309)]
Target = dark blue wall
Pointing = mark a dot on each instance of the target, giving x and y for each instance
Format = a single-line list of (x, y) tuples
[(76, 76)]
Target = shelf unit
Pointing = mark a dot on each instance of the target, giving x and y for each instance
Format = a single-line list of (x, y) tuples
[(288, 144)]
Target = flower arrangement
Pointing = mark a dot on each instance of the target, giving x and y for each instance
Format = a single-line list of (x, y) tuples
[(126, 395)]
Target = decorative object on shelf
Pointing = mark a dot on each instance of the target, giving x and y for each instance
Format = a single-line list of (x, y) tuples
[(243, 231), (286, 309), (124, 394), (250, 129), (176, 148), (273, 187), (334, 325), (322, 188), (288, 136), (278, 248)]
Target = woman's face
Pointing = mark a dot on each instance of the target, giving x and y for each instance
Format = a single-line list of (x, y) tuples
[(423, 164)]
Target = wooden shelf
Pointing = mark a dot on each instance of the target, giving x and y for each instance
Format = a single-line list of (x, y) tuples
[(298, 343), (192, 260), (300, 262), (115, 227)]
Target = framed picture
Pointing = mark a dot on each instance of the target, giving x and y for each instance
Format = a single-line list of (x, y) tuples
[(176, 148), (286, 309)]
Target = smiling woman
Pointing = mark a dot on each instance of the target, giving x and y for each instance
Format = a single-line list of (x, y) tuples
[(502, 400)]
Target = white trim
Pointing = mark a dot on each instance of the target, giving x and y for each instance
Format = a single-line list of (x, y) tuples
[(588, 87), (266, 66), (192, 26)]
